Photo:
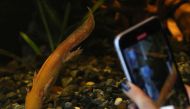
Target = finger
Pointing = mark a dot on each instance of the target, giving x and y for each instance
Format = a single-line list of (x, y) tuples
[(188, 90), (138, 96)]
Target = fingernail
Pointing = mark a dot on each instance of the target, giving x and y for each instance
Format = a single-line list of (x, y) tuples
[(125, 86)]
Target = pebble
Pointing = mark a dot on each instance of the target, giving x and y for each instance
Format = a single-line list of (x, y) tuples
[(66, 81), (22, 91), (74, 73), (109, 89), (98, 91), (11, 94), (103, 104), (107, 69), (68, 105), (17, 106), (77, 108), (67, 91), (90, 83), (118, 101), (109, 82), (59, 107)]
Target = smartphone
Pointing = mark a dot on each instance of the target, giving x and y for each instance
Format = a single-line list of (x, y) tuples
[(148, 62)]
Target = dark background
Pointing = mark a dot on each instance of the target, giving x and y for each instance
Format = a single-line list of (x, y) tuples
[(22, 15)]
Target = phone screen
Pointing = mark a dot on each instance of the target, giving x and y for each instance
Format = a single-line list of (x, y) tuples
[(151, 65)]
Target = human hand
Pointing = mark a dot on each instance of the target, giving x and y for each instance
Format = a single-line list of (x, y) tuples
[(140, 98)]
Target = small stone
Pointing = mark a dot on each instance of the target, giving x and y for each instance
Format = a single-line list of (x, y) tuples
[(29, 84), (59, 107), (66, 81), (97, 101), (98, 91), (118, 101), (90, 83), (27, 81), (103, 104), (68, 105), (74, 73), (107, 69), (76, 107), (109, 82), (67, 91), (109, 89), (11, 94), (22, 91), (17, 106)]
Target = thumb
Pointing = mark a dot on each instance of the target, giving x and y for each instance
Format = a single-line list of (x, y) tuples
[(138, 96)]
